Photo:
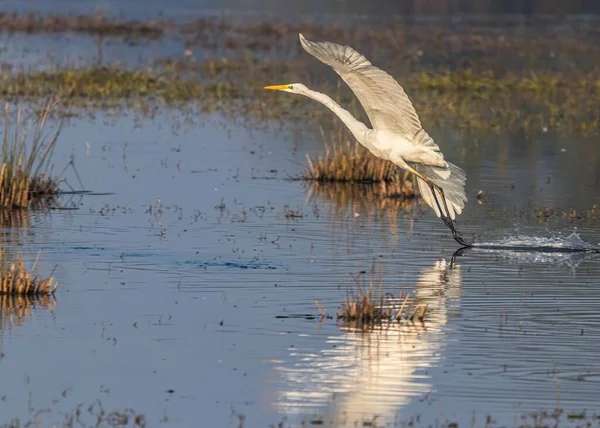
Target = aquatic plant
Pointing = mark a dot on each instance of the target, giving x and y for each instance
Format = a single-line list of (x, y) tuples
[(25, 170), (347, 162), (16, 279), (550, 213), (467, 98), (84, 416), (517, 82), (367, 305), (105, 83), (545, 417)]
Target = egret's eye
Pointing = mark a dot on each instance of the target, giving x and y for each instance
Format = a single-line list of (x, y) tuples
[(290, 87)]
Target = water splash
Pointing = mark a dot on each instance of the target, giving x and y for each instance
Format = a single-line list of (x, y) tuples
[(571, 243), (557, 250)]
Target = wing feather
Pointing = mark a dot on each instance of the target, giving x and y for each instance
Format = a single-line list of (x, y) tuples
[(382, 97)]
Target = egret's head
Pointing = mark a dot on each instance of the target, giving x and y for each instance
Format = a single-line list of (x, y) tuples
[(297, 88)]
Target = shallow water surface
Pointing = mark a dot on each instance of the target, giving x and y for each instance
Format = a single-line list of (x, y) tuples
[(188, 294), (194, 276)]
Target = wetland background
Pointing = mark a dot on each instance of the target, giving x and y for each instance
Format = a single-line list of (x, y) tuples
[(200, 275)]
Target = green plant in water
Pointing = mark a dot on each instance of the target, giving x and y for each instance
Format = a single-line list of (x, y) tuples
[(25, 170)]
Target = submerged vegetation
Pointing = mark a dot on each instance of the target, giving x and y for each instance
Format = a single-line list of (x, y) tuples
[(543, 418), (16, 279), (25, 177), (84, 416), (572, 215), (367, 305)]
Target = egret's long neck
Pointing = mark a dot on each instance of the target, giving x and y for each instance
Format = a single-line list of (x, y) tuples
[(357, 128)]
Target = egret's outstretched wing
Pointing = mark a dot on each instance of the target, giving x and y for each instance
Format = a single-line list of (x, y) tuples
[(383, 99)]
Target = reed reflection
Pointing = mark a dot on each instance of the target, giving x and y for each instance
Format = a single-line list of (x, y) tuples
[(15, 309), (372, 202), (375, 372)]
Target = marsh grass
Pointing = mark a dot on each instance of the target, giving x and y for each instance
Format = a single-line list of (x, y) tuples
[(463, 98), (96, 24), (367, 305), (113, 83), (16, 279), (348, 162), (25, 171)]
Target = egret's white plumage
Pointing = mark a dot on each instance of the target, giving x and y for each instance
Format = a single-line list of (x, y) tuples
[(397, 134)]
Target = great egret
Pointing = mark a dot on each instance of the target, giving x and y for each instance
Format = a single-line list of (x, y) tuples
[(397, 134)]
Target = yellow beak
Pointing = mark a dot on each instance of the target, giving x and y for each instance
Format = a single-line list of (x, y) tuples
[(277, 87)]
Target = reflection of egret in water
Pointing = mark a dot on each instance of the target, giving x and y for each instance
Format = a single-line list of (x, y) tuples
[(370, 373)]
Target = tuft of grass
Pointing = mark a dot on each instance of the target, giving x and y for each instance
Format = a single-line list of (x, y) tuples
[(367, 305), (25, 169), (16, 279), (346, 162)]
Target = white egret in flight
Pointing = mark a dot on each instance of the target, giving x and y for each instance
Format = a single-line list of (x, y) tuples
[(397, 134)]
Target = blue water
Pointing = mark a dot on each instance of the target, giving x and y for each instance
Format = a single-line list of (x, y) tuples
[(187, 294)]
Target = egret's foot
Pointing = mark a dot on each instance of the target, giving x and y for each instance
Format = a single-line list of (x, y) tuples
[(455, 233), (458, 238)]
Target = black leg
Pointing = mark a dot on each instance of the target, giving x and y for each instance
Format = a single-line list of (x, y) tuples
[(446, 217)]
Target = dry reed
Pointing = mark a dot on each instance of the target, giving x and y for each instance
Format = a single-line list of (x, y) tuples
[(368, 305), (25, 170), (16, 279), (346, 162)]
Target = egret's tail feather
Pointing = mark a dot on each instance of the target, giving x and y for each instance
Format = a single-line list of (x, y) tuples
[(453, 185)]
